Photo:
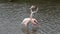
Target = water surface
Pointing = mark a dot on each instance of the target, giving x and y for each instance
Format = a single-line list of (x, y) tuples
[(12, 14)]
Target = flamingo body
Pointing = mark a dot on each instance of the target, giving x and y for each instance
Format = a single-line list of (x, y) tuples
[(27, 20), (28, 26)]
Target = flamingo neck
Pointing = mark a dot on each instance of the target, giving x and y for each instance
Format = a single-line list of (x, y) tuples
[(31, 15)]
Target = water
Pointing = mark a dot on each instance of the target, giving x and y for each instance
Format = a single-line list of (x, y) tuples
[(12, 14)]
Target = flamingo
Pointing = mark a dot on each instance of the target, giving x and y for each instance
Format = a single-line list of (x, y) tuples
[(32, 20)]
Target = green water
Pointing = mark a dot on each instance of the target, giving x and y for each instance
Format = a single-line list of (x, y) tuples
[(12, 14)]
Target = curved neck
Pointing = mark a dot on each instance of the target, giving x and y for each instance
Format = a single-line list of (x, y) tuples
[(31, 15)]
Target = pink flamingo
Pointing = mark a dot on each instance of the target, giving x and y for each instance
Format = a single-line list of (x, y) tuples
[(32, 20)]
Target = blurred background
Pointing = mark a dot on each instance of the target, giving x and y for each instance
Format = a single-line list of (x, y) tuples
[(12, 12)]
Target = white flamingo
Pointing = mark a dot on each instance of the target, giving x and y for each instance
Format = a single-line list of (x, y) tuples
[(32, 20)]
